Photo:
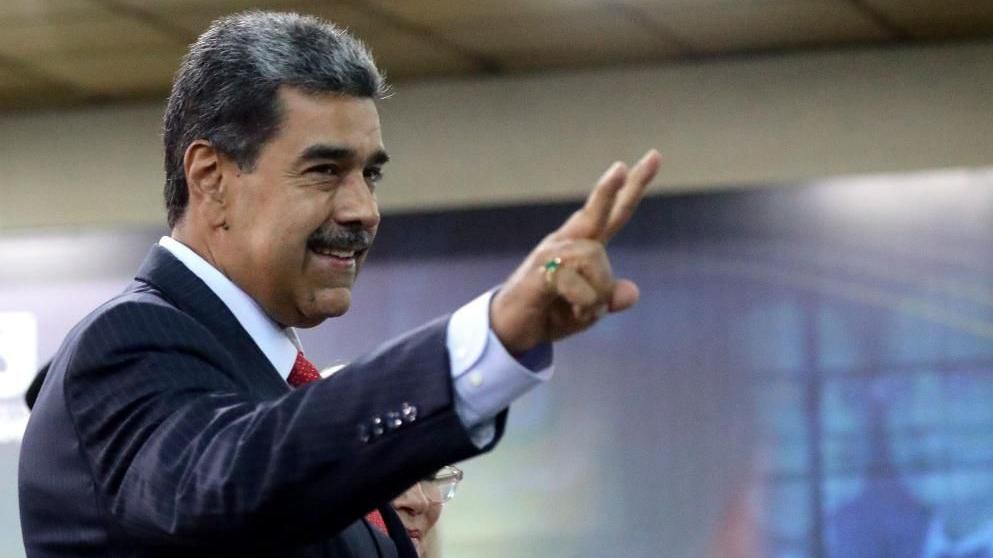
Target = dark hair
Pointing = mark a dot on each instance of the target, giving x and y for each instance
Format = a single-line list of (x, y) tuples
[(226, 89)]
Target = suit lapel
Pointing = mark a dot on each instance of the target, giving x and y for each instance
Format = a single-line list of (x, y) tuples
[(190, 294)]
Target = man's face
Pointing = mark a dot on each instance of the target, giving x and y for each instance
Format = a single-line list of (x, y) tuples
[(301, 223), (418, 515)]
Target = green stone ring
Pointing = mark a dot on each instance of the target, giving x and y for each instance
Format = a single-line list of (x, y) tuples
[(550, 268)]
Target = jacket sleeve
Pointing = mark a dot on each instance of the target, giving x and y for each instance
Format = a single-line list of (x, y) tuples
[(181, 453)]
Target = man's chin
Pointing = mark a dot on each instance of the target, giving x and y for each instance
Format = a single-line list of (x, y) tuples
[(326, 303)]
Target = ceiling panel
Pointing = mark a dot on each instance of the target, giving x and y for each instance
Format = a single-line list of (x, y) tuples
[(403, 51), (225, 6), (128, 48), (18, 90), (37, 97), (166, 6), (718, 3), (47, 9), (450, 13), (14, 80), (196, 16), (400, 52), (365, 25), (578, 37), (109, 33), (416, 58), (939, 20), (122, 73), (732, 27)]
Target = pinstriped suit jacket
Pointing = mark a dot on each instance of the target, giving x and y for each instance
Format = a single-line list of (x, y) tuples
[(162, 430)]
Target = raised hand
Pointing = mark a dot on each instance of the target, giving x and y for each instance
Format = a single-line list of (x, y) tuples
[(565, 284)]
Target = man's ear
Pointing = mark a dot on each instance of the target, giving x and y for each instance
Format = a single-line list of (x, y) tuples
[(202, 164)]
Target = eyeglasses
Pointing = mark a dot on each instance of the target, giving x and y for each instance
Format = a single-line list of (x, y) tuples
[(440, 487)]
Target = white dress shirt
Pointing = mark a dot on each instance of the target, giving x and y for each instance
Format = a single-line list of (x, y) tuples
[(486, 378)]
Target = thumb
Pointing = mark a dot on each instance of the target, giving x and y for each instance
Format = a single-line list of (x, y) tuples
[(625, 295)]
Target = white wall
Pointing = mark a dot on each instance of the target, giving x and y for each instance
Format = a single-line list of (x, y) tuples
[(720, 123)]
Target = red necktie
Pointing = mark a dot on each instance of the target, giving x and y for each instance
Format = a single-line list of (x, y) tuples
[(305, 372)]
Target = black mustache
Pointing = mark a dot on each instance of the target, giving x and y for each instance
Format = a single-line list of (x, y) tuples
[(336, 238)]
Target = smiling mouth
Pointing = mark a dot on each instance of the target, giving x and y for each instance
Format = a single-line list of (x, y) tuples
[(339, 245), (337, 253), (341, 256)]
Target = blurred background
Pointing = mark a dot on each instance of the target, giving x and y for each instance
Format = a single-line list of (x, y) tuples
[(810, 371)]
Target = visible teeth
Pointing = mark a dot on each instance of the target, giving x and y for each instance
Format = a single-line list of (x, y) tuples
[(347, 254)]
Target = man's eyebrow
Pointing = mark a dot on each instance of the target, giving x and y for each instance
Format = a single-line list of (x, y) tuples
[(338, 153), (325, 151)]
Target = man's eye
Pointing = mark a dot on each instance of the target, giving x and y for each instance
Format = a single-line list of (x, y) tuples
[(330, 170), (373, 174)]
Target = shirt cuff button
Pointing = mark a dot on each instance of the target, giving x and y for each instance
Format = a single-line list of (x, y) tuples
[(475, 379)]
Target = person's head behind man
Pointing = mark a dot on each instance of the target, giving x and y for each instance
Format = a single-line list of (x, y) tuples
[(419, 508), (272, 151)]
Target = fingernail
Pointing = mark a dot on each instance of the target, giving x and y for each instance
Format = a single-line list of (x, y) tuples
[(611, 170)]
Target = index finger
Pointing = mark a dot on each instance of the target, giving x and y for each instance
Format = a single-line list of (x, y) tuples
[(628, 197), (594, 217)]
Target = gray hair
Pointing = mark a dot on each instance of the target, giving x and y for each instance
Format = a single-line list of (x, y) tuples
[(226, 89)]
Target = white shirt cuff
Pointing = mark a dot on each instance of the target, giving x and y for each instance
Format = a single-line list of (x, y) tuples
[(486, 377)]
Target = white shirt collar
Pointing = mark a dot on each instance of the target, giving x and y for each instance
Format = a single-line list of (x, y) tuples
[(280, 345)]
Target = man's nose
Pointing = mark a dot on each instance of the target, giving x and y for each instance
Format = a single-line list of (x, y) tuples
[(414, 500), (355, 203)]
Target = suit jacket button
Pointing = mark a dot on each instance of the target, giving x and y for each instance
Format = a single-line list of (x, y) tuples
[(408, 412), (393, 420), (377, 427)]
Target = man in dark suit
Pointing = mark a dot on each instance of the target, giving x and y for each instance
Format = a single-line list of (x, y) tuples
[(181, 418)]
